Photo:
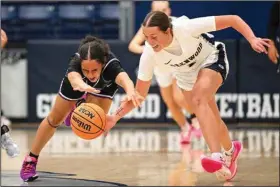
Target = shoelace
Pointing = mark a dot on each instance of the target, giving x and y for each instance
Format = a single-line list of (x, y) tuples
[(227, 160)]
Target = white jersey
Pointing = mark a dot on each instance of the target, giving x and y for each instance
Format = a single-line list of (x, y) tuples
[(164, 79), (195, 47)]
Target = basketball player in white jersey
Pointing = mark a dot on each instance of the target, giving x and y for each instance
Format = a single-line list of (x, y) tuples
[(200, 67), (170, 92)]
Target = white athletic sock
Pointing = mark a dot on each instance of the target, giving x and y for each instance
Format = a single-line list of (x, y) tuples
[(230, 151), (195, 123), (217, 156), (186, 127)]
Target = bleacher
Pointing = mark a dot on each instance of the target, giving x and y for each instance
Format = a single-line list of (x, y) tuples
[(60, 20)]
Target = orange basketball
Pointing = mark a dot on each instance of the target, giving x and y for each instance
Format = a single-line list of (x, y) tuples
[(88, 121)]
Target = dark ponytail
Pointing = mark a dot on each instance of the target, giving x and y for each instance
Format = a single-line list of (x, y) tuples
[(88, 39)]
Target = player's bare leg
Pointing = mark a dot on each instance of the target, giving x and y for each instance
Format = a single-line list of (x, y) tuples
[(44, 133), (231, 149), (176, 111), (204, 90), (184, 101)]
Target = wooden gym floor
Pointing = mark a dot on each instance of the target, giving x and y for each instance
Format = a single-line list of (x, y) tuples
[(138, 156)]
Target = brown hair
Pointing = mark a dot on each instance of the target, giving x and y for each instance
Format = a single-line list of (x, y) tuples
[(157, 19)]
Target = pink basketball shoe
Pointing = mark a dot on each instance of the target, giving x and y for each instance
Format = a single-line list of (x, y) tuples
[(231, 160), (212, 165)]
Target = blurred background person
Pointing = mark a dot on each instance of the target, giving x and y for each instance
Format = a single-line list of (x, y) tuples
[(7, 142), (274, 34), (4, 40)]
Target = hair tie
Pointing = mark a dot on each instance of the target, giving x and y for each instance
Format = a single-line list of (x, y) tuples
[(78, 55)]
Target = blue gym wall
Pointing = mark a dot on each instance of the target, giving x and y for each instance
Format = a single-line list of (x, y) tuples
[(255, 13)]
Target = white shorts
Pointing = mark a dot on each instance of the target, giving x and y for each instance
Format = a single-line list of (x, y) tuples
[(217, 61), (164, 79)]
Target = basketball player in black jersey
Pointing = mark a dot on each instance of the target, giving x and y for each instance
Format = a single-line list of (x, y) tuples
[(93, 70)]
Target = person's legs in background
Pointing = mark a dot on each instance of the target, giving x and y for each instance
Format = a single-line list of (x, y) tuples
[(4, 119), (166, 85), (7, 142), (185, 103)]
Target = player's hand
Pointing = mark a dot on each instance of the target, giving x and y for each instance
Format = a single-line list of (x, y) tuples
[(86, 88), (110, 123), (134, 97), (260, 44), (273, 54)]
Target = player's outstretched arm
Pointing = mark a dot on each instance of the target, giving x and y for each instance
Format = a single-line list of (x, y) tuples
[(78, 84), (258, 44), (201, 25), (126, 83), (142, 87)]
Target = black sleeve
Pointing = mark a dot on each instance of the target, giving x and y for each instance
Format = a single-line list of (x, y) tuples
[(112, 70), (273, 22), (74, 65)]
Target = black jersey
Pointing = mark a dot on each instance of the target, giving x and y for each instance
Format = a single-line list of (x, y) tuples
[(106, 83)]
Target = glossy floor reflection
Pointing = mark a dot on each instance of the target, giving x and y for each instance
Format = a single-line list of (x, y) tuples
[(145, 157)]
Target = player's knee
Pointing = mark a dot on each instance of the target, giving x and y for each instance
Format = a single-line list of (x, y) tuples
[(198, 100), (54, 120)]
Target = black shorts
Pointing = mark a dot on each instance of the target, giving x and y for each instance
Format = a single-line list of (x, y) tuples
[(66, 91), (220, 65)]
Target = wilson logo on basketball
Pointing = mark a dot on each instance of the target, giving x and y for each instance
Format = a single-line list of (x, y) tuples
[(82, 124), (86, 112)]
